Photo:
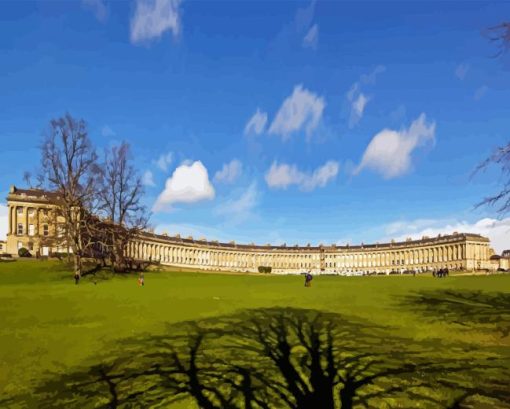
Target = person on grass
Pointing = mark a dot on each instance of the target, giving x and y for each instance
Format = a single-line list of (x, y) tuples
[(308, 279)]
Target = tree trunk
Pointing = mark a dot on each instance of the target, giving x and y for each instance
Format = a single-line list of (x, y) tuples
[(347, 394), (77, 264)]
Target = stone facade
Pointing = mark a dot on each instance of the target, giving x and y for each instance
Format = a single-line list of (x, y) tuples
[(32, 221)]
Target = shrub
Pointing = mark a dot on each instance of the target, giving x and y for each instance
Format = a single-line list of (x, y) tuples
[(23, 252), (263, 269)]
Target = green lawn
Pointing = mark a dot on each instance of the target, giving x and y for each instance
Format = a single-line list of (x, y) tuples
[(53, 331)]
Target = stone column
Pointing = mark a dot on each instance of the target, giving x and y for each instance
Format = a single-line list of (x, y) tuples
[(16, 220)]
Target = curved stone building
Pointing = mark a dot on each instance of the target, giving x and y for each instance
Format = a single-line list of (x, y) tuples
[(458, 251), (31, 220)]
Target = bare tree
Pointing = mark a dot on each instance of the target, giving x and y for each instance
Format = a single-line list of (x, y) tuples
[(501, 158), (500, 35), (121, 202), (70, 171)]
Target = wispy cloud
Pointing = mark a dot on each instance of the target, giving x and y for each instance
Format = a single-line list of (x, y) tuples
[(281, 176), (480, 92), (304, 16), (241, 208), (98, 7), (153, 18), (461, 71), (106, 131), (389, 152), (311, 38), (189, 183), (302, 110), (148, 178), (256, 124), (229, 172), (357, 99), (164, 161)]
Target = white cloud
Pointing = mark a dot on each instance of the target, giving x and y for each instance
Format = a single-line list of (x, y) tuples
[(256, 124), (389, 152), (280, 176), (240, 209), (4, 222), (461, 71), (153, 17), (148, 178), (480, 92), (188, 184), (498, 231), (312, 37), (357, 99), (98, 7), (164, 161), (229, 172), (302, 109)]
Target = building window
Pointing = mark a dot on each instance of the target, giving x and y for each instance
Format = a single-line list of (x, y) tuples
[(31, 212), (30, 246), (45, 230), (20, 244), (1, 247), (19, 211), (20, 228), (31, 230)]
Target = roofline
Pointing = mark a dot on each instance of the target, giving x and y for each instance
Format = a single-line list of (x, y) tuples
[(446, 239)]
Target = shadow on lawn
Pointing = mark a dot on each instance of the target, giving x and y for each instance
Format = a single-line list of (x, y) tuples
[(471, 309), (279, 358)]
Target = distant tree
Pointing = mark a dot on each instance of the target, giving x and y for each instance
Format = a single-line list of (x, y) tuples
[(121, 205), (70, 170)]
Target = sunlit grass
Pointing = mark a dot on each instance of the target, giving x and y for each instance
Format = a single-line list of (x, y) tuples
[(50, 325)]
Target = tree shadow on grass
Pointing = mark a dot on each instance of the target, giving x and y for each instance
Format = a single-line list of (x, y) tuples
[(470, 309), (279, 358)]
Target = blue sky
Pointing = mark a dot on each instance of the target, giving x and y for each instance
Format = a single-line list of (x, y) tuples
[(271, 122)]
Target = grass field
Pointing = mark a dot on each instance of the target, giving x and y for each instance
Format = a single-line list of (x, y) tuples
[(407, 341)]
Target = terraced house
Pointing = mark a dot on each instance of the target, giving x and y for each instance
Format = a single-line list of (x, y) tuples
[(33, 222)]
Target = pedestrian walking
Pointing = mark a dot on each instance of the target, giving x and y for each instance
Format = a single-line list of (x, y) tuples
[(308, 279)]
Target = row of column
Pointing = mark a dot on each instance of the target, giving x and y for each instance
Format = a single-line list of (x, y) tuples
[(212, 258), (440, 254), (251, 259), (22, 223)]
